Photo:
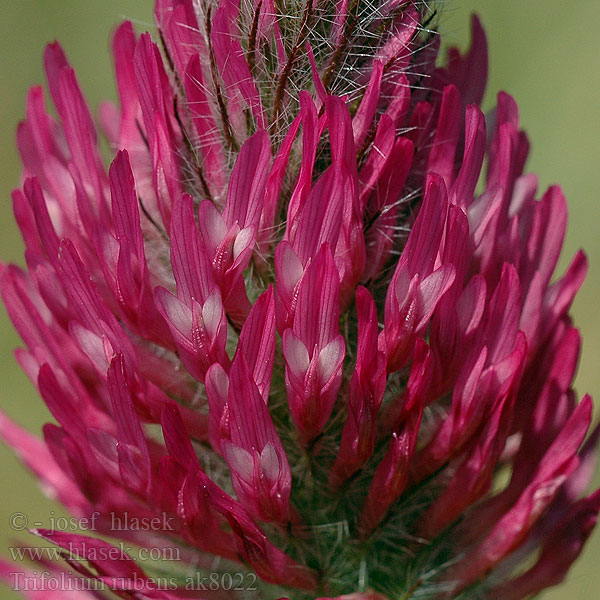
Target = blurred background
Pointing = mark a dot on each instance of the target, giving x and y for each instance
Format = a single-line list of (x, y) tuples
[(544, 52)]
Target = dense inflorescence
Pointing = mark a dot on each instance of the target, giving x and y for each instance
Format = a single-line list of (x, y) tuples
[(294, 319)]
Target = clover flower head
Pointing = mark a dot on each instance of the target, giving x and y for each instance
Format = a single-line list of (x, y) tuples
[(295, 316)]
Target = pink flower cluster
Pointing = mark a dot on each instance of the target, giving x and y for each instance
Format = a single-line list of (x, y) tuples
[(294, 302)]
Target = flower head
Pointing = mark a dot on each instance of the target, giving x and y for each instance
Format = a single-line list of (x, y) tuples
[(295, 319)]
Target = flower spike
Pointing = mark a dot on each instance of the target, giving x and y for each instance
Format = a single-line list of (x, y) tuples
[(294, 323)]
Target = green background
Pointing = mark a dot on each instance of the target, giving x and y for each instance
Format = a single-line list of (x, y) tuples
[(544, 52)]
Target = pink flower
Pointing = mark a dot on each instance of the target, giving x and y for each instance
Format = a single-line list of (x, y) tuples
[(293, 322)]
